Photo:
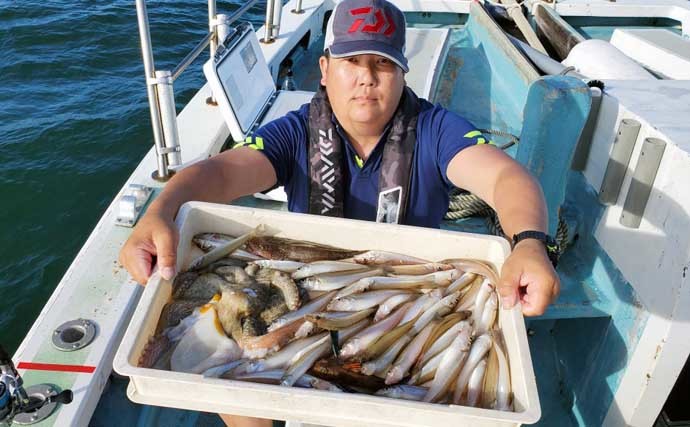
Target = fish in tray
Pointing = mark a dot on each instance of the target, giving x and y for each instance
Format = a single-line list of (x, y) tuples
[(276, 248), (294, 313)]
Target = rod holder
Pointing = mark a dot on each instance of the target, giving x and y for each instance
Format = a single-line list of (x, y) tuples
[(298, 8), (222, 27), (268, 25), (171, 137), (219, 34), (277, 15), (642, 182), (618, 162), (161, 173)]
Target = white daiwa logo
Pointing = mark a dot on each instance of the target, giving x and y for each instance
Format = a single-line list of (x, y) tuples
[(327, 171)]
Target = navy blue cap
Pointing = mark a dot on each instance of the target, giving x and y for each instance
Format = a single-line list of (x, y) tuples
[(359, 27)]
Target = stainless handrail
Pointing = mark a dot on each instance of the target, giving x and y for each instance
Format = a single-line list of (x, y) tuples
[(192, 55), (239, 12), (159, 83), (268, 25), (277, 15), (212, 26), (196, 51), (298, 8)]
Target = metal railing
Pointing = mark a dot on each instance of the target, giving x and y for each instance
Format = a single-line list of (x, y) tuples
[(274, 9), (159, 83)]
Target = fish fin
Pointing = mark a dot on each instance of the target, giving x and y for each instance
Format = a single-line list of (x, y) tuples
[(353, 365)]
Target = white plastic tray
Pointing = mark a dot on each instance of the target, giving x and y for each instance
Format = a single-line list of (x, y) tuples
[(189, 391)]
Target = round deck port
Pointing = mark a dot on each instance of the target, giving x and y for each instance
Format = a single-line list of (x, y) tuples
[(74, 335)]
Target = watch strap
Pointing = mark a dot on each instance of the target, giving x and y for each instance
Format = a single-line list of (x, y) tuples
[(552, 247)]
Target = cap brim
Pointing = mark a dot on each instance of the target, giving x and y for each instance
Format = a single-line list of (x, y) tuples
[(364, 47)]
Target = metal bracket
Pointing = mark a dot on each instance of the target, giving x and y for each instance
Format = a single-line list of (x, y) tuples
[(132, 202), (216, 22), (36, 393), (153, 81), (168, 150)]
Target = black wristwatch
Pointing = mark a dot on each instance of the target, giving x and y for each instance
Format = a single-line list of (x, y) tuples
[(553, 250)]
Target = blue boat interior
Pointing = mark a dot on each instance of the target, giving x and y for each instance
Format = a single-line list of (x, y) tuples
[(581, 345), (602, 28)]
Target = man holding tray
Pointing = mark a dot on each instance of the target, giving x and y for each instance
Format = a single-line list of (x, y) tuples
[(367, 148)]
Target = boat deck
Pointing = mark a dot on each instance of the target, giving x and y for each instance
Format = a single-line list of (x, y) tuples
[(580, 348), (593, 290)]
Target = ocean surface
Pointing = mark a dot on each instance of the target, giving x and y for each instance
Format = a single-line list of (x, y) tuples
[(74, 123)]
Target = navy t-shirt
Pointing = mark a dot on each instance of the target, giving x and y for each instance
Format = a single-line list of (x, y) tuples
[(441, 134)]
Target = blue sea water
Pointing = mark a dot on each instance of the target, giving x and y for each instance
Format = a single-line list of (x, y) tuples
[(74, 123)]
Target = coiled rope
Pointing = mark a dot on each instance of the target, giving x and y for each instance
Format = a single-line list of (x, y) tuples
[(465, 205)]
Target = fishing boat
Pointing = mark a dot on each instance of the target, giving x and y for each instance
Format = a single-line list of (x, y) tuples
[(610, 151)]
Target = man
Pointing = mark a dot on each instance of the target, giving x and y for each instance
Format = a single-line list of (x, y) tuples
[(388, 155)]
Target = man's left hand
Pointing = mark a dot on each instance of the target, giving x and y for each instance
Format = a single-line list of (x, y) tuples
[(528, 277)]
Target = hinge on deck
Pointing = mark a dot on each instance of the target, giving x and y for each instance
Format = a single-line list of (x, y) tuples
[(131, 204)]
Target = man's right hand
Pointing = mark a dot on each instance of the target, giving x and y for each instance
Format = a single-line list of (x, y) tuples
[(154, 236), (220, 179)]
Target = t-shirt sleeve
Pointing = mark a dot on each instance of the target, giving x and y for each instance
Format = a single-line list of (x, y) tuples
[(453, 134), (280, 140)]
